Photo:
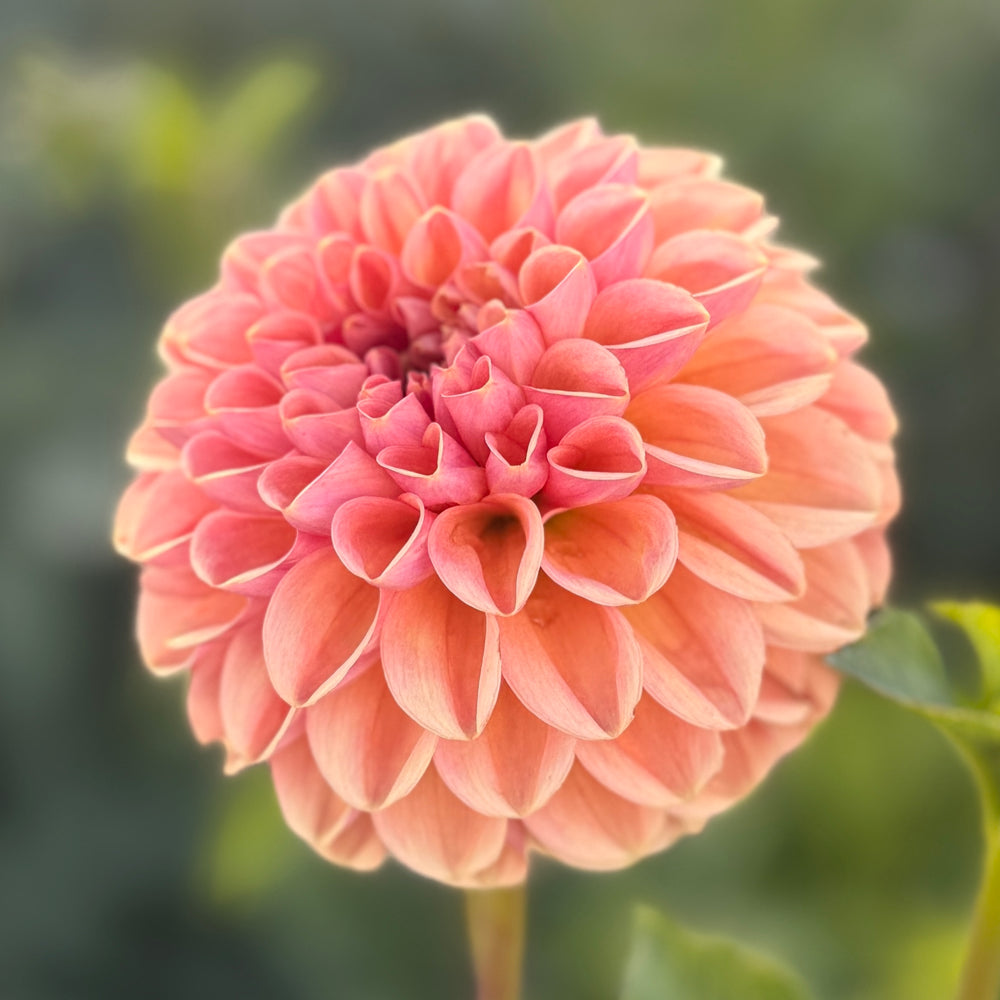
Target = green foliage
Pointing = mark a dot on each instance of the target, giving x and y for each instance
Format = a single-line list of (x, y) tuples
[(898, 658), (668, 962)]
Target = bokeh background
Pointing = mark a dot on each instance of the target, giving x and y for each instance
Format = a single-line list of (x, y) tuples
[(134, 140)]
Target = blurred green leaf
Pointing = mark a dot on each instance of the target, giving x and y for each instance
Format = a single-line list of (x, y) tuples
[(981, 623), (898, 658), (668, 962)]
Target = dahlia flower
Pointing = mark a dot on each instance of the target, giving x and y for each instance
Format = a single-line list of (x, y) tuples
[(505, 497)]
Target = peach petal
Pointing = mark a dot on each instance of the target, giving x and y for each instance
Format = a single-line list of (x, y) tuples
[(211, 330), (703, 651), (437, 835), (488, 554), (177, 404), (574, 381), (612, 227), (440, 154), (576, 665), (703, 203), (149, 451), (243, 258), (833, 609), (438, 243), (509, 869), (438, 470), (319, 621), (771, 359), (487, 777), (659, 760), (390, 205), (557, 287), (873, 547), (822, 483), (316, 425), (177, 612), (384, 541), (244, 402), (333, 202), (357, 846), (653, 329), (511, 249), (202, 701), (354, 473), (734, 547), (697, 437), (310, 806), (241, 552), (253, 716), (658, 164), (289, 279), (721, 270), (611, 160), (613, 553), (517, 460), (401, 422), (369, 751), (601, 459), (224, 472), (858, 398), (330, 369), (587, 825), (441, 659), (157, 514), (502, 188)]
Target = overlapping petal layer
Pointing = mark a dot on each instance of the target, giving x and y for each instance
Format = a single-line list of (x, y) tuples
[(505, 497)]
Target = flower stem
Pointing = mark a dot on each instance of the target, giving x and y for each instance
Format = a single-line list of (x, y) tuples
[(495, 918), (981, 973)]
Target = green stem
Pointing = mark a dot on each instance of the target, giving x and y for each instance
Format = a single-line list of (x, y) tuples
[(495, 918), (981, 974)]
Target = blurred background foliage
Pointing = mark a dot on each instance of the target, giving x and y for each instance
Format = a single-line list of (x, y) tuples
[(135, 140)]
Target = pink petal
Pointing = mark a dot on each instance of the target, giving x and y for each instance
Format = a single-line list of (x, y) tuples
[(289, 279), (703, 203), (374, 280), (387, 419), (612, 227), (333, 201), (435, 834), (574, 664), (586, 825), (253, 716), (157, 514), (502, 188), (600, 459), (771, 359), (330, 369), (438, 470), (512, 768), (557, 288), (317, 425), (211, 330), (652, 328), (874, 550), (441, 659), (721, 270), (659, 760), (366, 748), (177, 404), (734, 547), (177, 612), (514, 344), (357, 846), (575, 380), (224, 471), (483, 404), (244, 401), (513, 247), (202, 700), (658, 164), (308, 803), (517, 461), (611, 160), (243, 258), (697, 437), (488, 554), (822, 483), (441, 153), (614, 553), (240, 552), (384, 541), (833, 609), (149, 451), (703, 651), (437, 244), (391, 203), (319, 621)]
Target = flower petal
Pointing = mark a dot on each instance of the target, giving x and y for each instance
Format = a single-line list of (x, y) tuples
[(513, 767), (369, 751), (557, 287), (441, 659), (239, 552), (574, 664), (319, 621), (617, 552)]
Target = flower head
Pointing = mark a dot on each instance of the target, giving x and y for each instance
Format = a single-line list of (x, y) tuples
[(505, 497)]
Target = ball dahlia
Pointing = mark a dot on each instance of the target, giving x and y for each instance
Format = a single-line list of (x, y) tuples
[(505, 497)]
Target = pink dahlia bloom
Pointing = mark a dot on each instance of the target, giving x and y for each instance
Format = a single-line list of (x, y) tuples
[(505, 497)]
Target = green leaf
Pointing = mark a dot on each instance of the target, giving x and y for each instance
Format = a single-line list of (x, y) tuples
[(898, 658), (668, 962), (981, 623)]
